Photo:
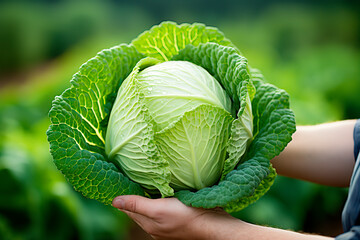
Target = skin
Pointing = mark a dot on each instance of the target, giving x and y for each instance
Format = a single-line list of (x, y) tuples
[(322, 154)]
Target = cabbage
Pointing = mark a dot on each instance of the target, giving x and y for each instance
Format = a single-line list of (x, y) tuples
[(178, 112)]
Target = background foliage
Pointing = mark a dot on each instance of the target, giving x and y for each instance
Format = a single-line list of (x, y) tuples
[(310, 49)]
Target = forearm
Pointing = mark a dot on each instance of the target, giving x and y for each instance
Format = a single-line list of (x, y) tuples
[(321, 153), (239, 230)]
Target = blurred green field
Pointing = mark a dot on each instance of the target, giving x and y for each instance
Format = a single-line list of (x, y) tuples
[(309, 49)]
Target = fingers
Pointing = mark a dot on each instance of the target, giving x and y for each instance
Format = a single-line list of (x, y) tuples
[(165, 218), (134, 204)]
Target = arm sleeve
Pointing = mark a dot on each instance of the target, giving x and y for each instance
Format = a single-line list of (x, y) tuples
[(357, 139), (351, 211), (353, 234)]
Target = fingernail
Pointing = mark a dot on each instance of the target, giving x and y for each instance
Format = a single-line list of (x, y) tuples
[(118, 202)]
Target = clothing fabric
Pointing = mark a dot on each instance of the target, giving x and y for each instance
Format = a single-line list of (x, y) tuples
[(351, 211)]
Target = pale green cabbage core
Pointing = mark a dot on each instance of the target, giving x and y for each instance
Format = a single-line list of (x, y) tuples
[(169, 127), (175, 87)]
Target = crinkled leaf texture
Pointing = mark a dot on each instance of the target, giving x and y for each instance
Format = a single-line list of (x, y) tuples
[(80, 115), (77, 129), (130, 142)]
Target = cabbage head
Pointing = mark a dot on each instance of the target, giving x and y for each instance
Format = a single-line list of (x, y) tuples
[(177, 112)]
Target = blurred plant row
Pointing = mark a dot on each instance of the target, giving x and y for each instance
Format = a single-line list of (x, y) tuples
[(36, 202), (310, 51)]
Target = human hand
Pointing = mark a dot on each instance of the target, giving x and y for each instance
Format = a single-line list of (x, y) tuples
[(168, 218)]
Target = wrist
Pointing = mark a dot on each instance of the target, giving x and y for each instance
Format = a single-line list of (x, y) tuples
[(217, 225)]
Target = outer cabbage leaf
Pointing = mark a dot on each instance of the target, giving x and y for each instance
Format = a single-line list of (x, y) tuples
[(275, 102), (273, 127), (241, 137), (259, 191), (167, 39), (78, 125)]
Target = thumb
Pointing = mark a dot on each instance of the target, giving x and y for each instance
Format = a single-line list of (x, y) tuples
[(133, 203)]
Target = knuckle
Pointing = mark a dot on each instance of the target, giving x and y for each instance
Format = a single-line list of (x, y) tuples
[(132, 205), (157, 213)]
